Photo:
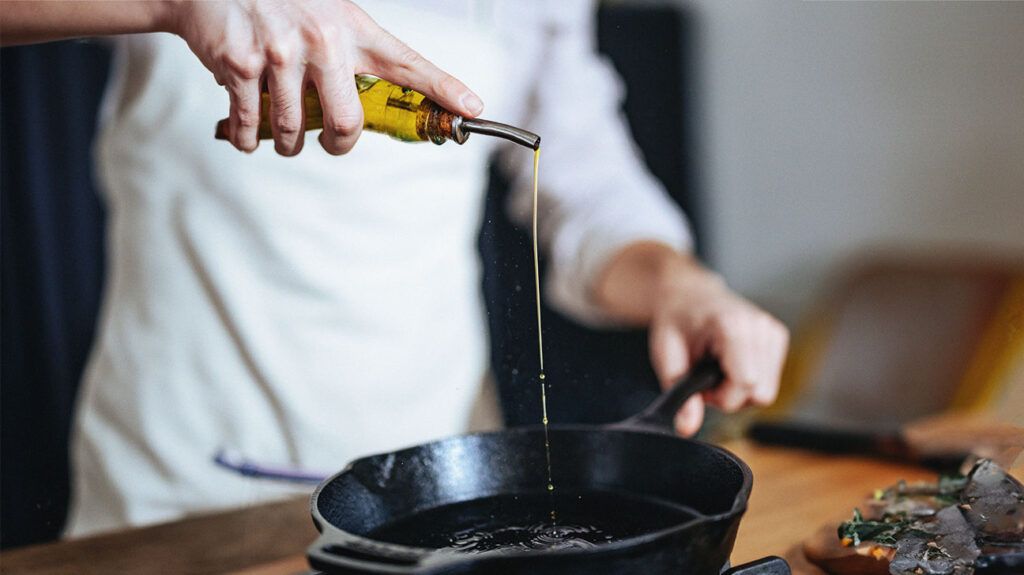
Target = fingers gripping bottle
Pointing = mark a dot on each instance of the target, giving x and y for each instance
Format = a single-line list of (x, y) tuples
[(398, 112)]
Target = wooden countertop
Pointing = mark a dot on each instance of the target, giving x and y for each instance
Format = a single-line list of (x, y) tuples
[(795, 492)]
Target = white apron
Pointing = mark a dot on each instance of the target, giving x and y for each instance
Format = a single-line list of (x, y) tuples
[(296, 312)]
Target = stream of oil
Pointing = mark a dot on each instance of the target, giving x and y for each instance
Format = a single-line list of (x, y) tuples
[(540, 338)]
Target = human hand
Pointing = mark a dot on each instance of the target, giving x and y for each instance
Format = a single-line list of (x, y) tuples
[(690, 312), (289, 43)]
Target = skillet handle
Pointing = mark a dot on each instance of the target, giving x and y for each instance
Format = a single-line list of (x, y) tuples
[(661, 413), (331, 555), (770, 565)]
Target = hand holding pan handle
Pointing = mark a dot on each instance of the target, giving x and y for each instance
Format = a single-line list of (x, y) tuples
[(660, 414)]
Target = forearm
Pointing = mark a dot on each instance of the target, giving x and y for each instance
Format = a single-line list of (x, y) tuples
[(27, 22), (630, 285)]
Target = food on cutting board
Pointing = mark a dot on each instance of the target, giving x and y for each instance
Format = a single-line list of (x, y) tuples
[(954, 526)]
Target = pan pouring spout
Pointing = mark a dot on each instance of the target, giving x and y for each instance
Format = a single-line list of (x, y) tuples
[(386, 470), (380, 476)]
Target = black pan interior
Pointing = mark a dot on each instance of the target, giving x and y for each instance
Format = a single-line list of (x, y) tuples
[(619, 483)]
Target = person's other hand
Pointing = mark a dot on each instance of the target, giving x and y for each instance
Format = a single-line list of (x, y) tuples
[(289, 43), (690, 312)]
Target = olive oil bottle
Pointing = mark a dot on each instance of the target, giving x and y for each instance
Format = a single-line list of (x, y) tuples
[(398, 112)]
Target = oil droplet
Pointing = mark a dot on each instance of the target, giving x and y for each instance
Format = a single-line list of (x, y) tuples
[(551, 487), (545, 421), (542, 376)]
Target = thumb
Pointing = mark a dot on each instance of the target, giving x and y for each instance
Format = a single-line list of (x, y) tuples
[(689, 418), (669, 355), (396, 62)]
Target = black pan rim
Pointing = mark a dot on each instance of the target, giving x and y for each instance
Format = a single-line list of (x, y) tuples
[(427, 557)]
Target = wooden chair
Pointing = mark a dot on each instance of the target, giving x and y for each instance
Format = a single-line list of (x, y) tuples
[(901, 341)]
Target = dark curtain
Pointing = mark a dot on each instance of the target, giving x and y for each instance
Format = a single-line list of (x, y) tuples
[(52, 272), (53, 258)]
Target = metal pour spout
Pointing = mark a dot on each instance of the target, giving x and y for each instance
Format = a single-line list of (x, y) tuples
[(462, 128)]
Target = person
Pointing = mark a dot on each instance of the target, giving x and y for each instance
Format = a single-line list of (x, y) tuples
[(301, 311)]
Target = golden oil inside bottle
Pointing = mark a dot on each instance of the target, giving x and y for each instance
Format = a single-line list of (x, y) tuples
[(393, 110), (390, 109)]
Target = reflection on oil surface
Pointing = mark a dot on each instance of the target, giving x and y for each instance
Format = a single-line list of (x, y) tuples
[(516, 523)]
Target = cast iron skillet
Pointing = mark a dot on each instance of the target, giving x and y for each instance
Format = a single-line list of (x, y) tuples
[(673, 504)]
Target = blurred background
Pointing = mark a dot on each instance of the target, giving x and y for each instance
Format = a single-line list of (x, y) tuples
[(857, 168), (832, 127)]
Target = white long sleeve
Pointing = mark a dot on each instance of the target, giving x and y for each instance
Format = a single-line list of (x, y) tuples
[(596, 195)]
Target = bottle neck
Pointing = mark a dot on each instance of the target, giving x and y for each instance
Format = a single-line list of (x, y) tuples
[(439, 125)]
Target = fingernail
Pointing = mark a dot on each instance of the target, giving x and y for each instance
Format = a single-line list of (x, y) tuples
[(472, 102)]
